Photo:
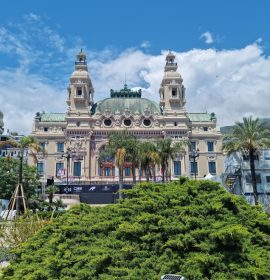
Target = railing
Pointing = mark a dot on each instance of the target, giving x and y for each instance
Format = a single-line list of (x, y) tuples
[(80, 63), (68, 196), (232, 169), (171, 64)]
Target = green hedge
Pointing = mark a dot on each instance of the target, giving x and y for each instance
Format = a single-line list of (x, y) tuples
[(196, 229)]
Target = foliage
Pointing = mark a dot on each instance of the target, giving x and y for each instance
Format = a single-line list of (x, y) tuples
[(123, 147), (196, 229), (19, 230), (149, 157), (9, 169), (50, 191), (248, 137), (167, 150)]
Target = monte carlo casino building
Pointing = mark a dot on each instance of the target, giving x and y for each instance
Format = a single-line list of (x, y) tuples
[(73, 140)]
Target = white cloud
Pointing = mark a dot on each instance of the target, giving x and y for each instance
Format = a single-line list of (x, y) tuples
[(231, 83), (145, 44), (208, 37), (22, 95)]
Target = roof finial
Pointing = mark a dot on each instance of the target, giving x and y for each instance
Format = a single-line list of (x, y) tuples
[(170, 51), (81, 49), (125, 78)]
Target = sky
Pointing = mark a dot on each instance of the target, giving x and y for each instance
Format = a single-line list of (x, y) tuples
[(222, 49)]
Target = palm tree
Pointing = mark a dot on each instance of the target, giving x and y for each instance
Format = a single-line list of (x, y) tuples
[(119, 147), (154, 159), (119, 160), (51, 190), (248, 137), (167, 150), (148, 157), (132, 153)]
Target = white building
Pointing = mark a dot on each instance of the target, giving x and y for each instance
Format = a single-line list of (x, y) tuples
[(83, 129)]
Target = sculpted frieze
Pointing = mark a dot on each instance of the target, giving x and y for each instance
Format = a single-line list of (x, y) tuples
[(97, 123), (127, 113)]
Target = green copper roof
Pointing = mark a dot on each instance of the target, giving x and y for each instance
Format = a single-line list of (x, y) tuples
[(118, 105), (201, 117), (126, 93), (52, 117)]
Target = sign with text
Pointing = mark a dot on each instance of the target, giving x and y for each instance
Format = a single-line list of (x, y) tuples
[(77, 189)]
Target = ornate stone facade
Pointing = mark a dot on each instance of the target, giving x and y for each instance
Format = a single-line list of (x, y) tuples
[(77, 136)]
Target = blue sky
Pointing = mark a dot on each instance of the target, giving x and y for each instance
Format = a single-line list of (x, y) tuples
[(222, 48), (171, 24)]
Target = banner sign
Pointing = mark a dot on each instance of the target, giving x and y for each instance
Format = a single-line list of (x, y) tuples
[(77, 189)]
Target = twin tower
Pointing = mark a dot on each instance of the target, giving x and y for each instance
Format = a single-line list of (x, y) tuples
[(81, 91)]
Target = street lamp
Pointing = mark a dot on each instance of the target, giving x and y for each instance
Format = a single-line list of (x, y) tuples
[(67, 155), (194, 155)]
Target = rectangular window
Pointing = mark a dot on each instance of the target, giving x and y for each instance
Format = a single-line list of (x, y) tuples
[(79, 91), (127, 171), (212, 167), (246, 158), (266, 155), (174, 92), (177, 168), (267, 179), (42, 145), (60, 147), (210, 146), (46, 129), (59, 169), (205, 128), (193, 168), (113, 171), (100, 170), (107, 171), (77, 169), (249, 180), (40, 168)]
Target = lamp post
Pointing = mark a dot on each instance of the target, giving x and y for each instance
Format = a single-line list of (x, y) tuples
[(67, 155), (194, 155)]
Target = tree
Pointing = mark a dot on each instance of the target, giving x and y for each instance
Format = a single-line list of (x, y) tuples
[(123, 147), (167, 150), (249, 138), (192, 228), (132, 152), (50, 191), (9, 178), (26, 143), (148, 157), (30, 144), (119, 160)]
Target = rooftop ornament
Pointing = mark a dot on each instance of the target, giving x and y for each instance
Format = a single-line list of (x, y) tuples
[(126, 93)]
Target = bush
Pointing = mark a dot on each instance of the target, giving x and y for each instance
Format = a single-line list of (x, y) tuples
[(196, 229)]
